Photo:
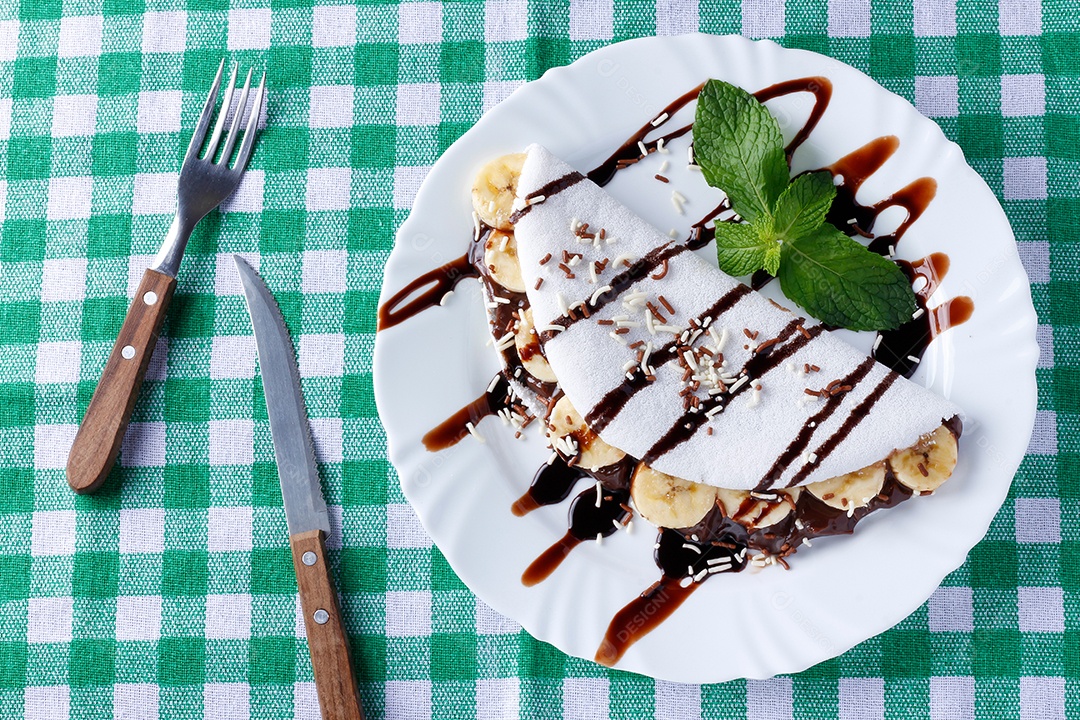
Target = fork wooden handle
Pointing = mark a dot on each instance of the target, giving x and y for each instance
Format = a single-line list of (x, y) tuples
[(335, 681), (102, 430)]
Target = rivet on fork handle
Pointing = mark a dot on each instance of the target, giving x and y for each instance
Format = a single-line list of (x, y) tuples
[(102, 430)]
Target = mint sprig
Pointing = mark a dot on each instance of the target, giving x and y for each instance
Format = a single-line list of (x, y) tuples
[(740, 149)]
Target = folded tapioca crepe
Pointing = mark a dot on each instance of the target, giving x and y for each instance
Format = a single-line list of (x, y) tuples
[(685, 368)]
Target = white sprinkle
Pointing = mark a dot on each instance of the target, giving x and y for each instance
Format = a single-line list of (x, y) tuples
[(694, 537), (685, 582), (472, 431), (645, 355), (719, 569), (690, 546), (764, 496), (629, 376), (660, 147), (553, 457), (694, 167), (649, 324), (673, 233), (628, 259), (628, 324), (599, 291), (629, 365), (599, 493), (574, 224), (656, 546), (574, 260), (755, 398), (599, 538), (740, 382), (806, 542), (616, 523), (918, 314), (851, 511), (493, 383), (500, 300), (551, 328), (677, 203), (446, 297), (757, 563), (690, 155), (838, 180), (536, 200), (811, 458), (701, 576), (852, 221), (629, 527), (504, 243), (662, 117), (491, 207), (609, 239), (813, 424), (877, 342), (592, 273), (617, 336), (664, 166), (644, 150), (505, 342), (668, 328), (913, 359), (892, 250), (718, 561)]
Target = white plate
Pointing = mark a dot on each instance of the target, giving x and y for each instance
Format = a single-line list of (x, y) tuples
[(752, 624)]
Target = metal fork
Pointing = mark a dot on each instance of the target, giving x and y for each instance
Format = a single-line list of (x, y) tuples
[(204, 184)]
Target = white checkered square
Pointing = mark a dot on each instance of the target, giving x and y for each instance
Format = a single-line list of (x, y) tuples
[(1023, 95), (331, 106), (5, 120), (1035, 256), (333, 26), (322, 355), (143, 445), (52, 532), (80, 36), (935, 18), (489, 622), (229, 529), (1044, 438), (228, 617), (306, 702), (227, 701), (69, 198), (137, 265), (769, 699), (1020, 17), (58, 362), (862, 698), (588, 698), (677, 701), (407, 181), (951, 609), (408, 614), (133, 701), (154, 194), (1042, 698), (48, 620), (326, 435), (593, 19), (1038, 520), (232, 356), (328, 188), (1044, 334), (323, 271), (676, 17), (498, 699), (403, 528), (159, 111), (52, 444), (52, 702), (158, 369), (164, 32), (231, 442), (849, 18), (419, 22), (142, 530), (248, 196), (1024, 178), (74, 115), (418, 103), (937, 95), (138, 618), (408, 699), (63, 279), (506, 20), (249, 29), (1041, 609), (9, 40), (763, 18), (952, 698)]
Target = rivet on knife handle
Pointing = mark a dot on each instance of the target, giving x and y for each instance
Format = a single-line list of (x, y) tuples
[(335, 682), (102, 430)]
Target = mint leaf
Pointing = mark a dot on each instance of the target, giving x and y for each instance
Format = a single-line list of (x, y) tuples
[(802, 207), (772, 258), (841, 283), (740, 248), (738, 145)]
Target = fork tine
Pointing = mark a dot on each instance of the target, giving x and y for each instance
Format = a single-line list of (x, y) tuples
[(252, 126), (204, 119), (226, 102), (230, 141)]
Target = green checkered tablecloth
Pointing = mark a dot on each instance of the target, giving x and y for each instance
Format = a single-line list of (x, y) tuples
[(171, 593)]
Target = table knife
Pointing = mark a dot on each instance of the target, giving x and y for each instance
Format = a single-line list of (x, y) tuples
[(305, 508)]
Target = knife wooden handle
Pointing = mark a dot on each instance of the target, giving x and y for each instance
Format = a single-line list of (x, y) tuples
[(339, 696), (102, 430)]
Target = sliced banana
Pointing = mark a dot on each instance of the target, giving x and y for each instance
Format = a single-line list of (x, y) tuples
[(853, 490), (501, 260), (593, 453), (528, 347), (668, 501), (757, 512), (494, 190), (928, 463)]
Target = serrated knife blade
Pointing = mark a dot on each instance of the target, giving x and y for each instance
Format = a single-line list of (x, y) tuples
[(305, 508)]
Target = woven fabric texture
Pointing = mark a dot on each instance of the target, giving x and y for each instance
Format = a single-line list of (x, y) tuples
[(170, 593)]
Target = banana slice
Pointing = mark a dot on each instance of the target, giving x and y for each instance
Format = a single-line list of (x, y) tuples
[(494, 189), (501, 259), (928, 463), (593, 453), (667, 501), (528, 347), (757, 512), (853, 490)]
